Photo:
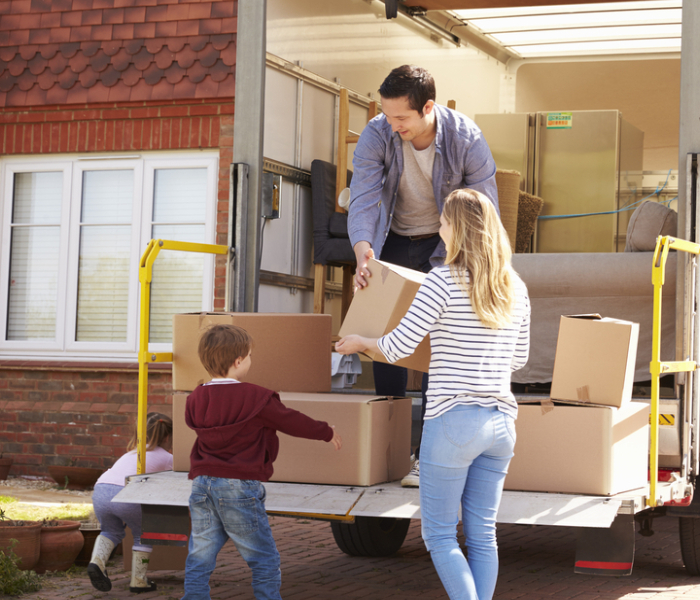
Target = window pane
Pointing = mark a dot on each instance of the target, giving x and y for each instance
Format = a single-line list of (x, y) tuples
[(107, 196), (33, 283), (103, 267), (103, 283), (177, 280), (37, 198), (179, 195)]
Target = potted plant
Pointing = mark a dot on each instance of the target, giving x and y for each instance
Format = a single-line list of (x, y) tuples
[(26, 534), (75, 478), (5, 464), (60, 544)]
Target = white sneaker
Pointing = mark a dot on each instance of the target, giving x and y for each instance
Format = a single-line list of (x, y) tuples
[(412, 479)]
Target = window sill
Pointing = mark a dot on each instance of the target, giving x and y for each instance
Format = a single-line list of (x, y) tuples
[(65, 365)]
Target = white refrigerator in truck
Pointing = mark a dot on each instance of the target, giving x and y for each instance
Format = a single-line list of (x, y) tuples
[(585, 165)]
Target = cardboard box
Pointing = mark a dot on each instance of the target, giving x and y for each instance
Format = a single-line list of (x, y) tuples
[(183, 436), (376, 435), (291, 352), (595, 360), (378, 308), (163, 558), (580, 449)]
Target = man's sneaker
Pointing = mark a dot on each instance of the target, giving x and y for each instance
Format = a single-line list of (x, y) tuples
[(411, 480)]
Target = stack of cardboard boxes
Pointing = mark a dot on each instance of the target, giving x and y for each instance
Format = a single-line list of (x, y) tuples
[(590, 438), (292, 355)]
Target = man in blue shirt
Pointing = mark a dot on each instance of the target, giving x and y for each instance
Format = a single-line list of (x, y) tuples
[(407, 161)]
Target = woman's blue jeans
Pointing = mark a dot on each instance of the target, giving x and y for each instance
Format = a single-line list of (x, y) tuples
[(464, 460), (230, 508)]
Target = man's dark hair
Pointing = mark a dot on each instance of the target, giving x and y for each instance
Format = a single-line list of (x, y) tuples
[(413, 82)]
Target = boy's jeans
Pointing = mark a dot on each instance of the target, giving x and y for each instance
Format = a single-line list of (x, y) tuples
[(465, 457), (230, 508)]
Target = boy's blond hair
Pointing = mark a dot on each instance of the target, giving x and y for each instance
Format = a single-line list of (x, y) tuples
[(221, 345), (480, 247)]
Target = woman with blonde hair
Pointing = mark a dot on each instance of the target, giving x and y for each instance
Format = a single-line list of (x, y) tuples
[(477, 312)]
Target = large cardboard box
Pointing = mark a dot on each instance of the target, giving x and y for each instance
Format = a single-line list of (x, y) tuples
[(376, 434), (580, 449), (291, 352), (378, 308), (595, 360), (183, 436)]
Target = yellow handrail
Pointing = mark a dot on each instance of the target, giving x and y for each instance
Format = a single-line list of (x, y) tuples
[(145, 277), (656, 367)]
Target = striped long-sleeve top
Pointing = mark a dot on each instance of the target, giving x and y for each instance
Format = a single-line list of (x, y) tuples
[(469, 363)]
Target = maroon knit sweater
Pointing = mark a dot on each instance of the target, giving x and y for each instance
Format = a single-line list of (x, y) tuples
[(236, 425)]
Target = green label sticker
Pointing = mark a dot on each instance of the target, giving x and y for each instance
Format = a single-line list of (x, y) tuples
[(559, 120)]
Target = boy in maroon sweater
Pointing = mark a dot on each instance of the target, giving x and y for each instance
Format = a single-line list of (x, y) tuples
[(237, 443)]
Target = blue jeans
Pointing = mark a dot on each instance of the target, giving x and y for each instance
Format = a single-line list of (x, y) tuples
[(230, 508), (465, 458)]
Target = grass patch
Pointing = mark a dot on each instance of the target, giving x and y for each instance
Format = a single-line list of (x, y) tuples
[(72, 511)]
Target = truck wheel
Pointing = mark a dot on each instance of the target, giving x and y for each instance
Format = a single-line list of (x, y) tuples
[(370, 536), (689, 530)]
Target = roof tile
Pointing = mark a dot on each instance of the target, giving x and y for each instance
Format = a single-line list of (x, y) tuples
[(61, 5), (27, 51), (8, 22), (81, 5), (36, 96), (228, 54), (141, 91), (89, 77), (121, 60), (135, 15), (209, 26), (67, 79), (7, 81), (21, 6), (19, 37), (144, 30), (219, 71), (197, 42), (26, 81), (39, 36), (208, 56), (153, 74), (70, 49), (100, 61), (184, 89), (47, 79), (220, 41), (81, 34), (219, 10), (155, 45), (110, 76), (89, 49), (79, 63), (187, 27), (131, 76), (101, 32), (50, 19), (113, 16), (196, 73), (175, 44), (156, 13), (133, 46), (162, 90), (48, 50), (60, 36), (8, 53), (175, 73), (123, 32), (40, 5), (142, 59), (178, 12), (91, 17), (108, 4), (165, 58), (229, 25), (119, 93), (186, 57), (207, 89), (17, 66), (97, 93), (71, 19), (112, 47), (56, 95), (58, 63), (201, 10), (37, 64)]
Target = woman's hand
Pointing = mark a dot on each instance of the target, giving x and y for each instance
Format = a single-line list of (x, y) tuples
[(351, 344)]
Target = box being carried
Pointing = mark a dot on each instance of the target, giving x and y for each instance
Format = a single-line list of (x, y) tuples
[(580, 449), (376, 434), (378, 308), (291, 352), (595, 360)]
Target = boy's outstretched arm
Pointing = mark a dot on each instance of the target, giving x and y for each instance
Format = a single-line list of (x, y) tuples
[(336, 441)]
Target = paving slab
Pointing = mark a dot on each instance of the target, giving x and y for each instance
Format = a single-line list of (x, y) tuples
[(536, 564)]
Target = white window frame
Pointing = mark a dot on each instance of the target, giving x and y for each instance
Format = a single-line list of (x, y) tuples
[(64, 346)]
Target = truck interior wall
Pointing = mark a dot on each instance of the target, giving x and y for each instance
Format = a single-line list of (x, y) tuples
[(647, 92)]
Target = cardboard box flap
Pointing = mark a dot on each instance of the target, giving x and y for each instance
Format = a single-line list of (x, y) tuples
[(330, 398), (384, 268), (589, 316)]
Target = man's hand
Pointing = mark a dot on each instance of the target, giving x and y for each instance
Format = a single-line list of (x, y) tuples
[(336, 441), (363, 252)]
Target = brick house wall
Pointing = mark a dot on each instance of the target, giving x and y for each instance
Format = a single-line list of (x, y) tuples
[(107, 76)]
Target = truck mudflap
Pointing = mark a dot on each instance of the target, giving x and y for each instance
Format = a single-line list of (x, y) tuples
[(607, 551)]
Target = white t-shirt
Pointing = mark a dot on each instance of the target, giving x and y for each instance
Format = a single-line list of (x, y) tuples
[(156, 460)]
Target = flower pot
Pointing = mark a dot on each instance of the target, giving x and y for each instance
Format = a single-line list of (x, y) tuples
[(75, 478), (89, 535), (28, 541), (61, 542), (5, 464)]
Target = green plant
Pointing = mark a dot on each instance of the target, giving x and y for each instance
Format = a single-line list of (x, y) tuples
[(13, 581)]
